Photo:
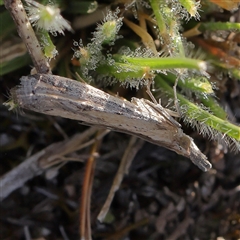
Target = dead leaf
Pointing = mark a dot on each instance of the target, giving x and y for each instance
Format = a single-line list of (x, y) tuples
[(227, 4)]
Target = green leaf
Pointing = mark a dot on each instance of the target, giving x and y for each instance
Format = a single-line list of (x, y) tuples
[(16, 63)]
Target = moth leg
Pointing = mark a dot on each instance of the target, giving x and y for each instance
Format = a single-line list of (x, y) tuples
[(164, 112), (148, 91), (172, 113), (176, 103)]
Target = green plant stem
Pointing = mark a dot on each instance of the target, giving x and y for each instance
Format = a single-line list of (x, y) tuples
[(190, 6), (168, 27), (48, 46), (122, 71), (203, 89), (155, 4), (164, 63), (214, 107), (195, 113), (194, 84), (214, 26)]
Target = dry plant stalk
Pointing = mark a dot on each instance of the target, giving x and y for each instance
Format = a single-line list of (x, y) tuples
[(39, 162), (59, 96), (25, 31), (132, 149), (85, 203)]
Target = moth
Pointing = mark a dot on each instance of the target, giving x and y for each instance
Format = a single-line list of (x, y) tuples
[(59, 96)]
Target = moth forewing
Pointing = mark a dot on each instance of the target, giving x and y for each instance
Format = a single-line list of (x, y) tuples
[(164, 112)]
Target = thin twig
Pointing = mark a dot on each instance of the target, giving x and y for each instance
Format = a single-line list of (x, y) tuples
[(85, 217), (181, 228), (36, 164), (122, 232), (126, 160), (25, 31)]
